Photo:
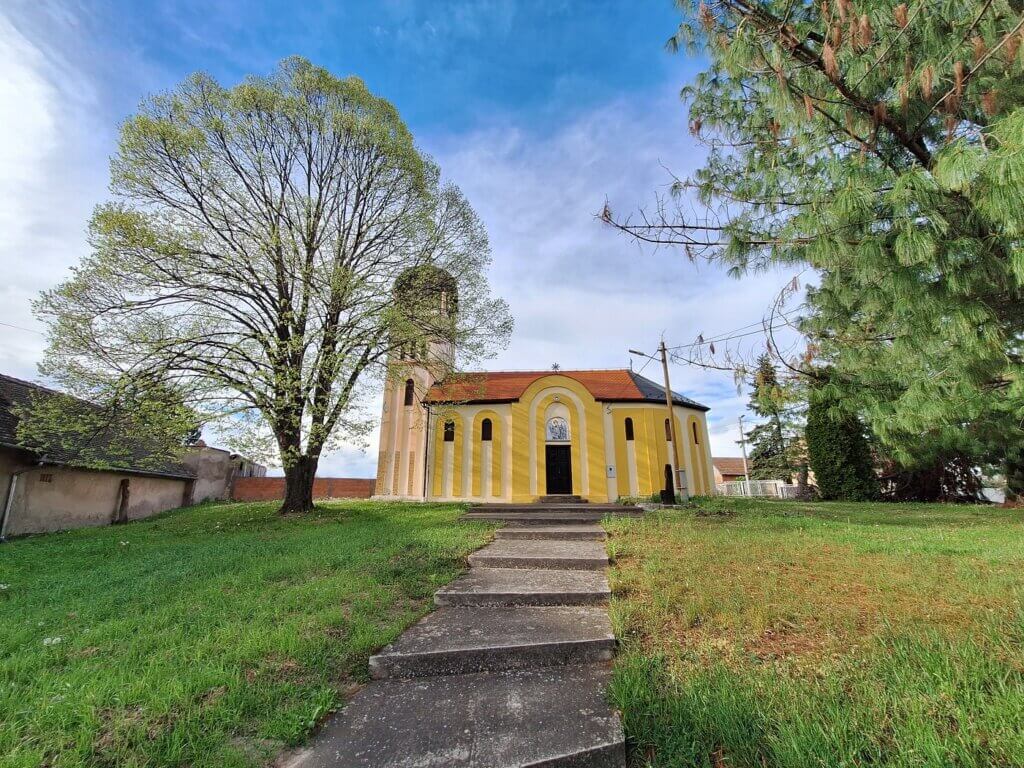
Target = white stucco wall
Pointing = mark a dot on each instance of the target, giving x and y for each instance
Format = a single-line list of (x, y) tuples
[(214, 469), (76, 498)]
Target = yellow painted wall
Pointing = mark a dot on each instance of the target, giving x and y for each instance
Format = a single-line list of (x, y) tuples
[(650, 445), (496, 453), (438, 473), (702, 484), (591, 475)]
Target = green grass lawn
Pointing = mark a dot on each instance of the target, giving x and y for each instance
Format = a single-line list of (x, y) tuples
[(211, 636), (785, 634)]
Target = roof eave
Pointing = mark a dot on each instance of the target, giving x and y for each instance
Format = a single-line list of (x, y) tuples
[(680, 403), (473, 401), (43, 461)]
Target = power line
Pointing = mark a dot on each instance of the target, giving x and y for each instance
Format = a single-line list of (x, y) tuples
[(706, 342), (20, 328), (727, 335), (644, 365)]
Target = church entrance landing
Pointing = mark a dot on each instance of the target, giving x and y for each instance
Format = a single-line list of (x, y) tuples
[(558, 463)]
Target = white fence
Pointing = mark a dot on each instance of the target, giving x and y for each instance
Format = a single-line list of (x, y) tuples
[(774, 488)]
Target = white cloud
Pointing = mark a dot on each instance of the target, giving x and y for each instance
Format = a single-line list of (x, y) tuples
[(581, 293), (51, 172)]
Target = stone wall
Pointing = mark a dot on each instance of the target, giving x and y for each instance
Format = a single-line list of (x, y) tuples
[(272, 488)]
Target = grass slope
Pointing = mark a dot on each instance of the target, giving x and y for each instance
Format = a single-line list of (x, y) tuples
[(210, 636), (778, 635)]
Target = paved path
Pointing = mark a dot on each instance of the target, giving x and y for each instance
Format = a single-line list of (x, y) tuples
[(510, 670)]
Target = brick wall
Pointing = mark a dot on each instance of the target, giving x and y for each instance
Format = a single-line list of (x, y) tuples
[(272, 488)]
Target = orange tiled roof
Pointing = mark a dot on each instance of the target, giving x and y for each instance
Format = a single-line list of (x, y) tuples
[(728, 465), (615, 385)]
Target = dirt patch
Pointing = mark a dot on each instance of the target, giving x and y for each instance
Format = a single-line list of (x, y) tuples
[(122, 727), (212, 696), (277, 669), (259, 751), (775, 644)]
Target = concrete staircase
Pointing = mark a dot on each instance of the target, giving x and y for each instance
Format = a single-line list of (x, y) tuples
[(551, 513), (509, 671)]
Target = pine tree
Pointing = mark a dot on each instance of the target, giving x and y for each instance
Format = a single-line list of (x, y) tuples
[(1015, 477), (770, 457), (838, 450), (882, 145)]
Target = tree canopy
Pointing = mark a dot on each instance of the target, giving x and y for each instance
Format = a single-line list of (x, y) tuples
[(249, 257), (882, 145)]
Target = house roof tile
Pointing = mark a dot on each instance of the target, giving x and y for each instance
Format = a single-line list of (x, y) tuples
[(17, 393), (612, 385), (728, 465)]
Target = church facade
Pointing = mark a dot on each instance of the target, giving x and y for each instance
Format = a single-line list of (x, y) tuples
[(514, 436)]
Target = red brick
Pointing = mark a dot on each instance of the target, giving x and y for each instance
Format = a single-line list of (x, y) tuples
[(272, 488)]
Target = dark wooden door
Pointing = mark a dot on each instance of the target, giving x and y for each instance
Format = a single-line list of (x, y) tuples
[(559, 469)]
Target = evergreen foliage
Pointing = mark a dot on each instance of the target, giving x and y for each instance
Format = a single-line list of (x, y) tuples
[(838, 451), (775, 450), (1015, 476), (882, 145), (950, 478), (767, 460)]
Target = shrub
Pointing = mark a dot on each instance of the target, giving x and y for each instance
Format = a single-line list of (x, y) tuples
[(839, 454)]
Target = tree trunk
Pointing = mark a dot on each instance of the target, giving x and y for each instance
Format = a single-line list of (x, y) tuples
[(298, 485)]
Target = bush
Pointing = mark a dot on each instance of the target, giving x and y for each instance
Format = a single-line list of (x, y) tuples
[(839, 454)]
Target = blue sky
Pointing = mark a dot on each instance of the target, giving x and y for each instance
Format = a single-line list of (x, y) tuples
[(540, 111)]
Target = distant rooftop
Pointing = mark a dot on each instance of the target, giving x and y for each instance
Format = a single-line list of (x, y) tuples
[(18, 393), (728, 465)]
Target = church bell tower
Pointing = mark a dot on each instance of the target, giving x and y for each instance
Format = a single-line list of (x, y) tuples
[(423, 351)]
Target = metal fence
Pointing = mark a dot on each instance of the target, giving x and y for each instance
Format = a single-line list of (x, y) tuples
[(773, 488)]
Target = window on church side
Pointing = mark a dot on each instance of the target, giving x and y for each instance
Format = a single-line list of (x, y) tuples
[(485, 430), (629, 428), (696, 441), (668, 431), (410, 388), (449, 431)]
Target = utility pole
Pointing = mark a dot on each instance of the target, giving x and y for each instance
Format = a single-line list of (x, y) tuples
[(746, 474), (676, 458)]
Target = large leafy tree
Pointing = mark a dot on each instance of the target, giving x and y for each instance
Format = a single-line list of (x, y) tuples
[(249, 256), (882, 144)]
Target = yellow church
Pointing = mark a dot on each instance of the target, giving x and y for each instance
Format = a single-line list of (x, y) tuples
[(517, 436)]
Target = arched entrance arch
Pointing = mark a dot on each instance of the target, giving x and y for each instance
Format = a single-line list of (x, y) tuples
[(575, 415), (557, 450)]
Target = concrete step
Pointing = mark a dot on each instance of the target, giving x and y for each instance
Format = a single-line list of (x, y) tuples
[(452, 641), (589, 508), (562, 532), (542, 553), (555, 717), (525, 586), (563, 498), (546, 518)]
